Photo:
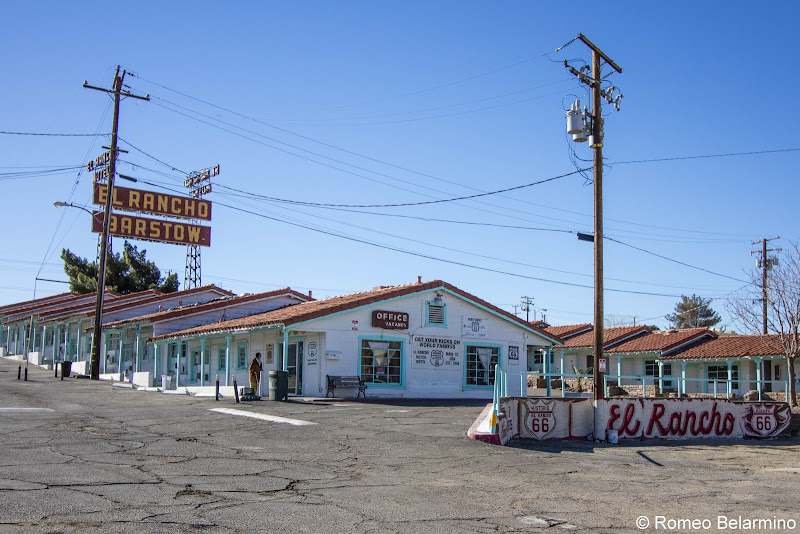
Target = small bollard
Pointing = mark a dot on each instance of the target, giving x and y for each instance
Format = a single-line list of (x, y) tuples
[(19, 372), (235, 390), (26, 374), (55, 369), (217, 394)]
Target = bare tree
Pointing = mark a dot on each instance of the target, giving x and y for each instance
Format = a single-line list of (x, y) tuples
[(782, 293)]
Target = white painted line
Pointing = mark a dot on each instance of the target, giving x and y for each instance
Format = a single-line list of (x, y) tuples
[(396, 411), (26, 410), (263, 417)]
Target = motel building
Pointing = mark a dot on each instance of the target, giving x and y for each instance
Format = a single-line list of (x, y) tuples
[(61, 326), (693, 361), (179, 364), (19, 322), (420, 340)]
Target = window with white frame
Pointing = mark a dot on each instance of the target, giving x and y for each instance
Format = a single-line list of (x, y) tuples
[(481, 361), (720, 374), (651, 370), (381, 361), (221, 359), (241, 355)]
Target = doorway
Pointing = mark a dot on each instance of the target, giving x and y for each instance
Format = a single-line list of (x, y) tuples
[(294, 365)]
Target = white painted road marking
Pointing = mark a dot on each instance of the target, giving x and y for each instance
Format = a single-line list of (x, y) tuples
[(263, 417), (26, 410), (396, 411)]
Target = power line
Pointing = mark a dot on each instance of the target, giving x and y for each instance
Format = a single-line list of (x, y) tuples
[(676, 261), (705, 156), (55, 134), (425, 256), (404, 204)]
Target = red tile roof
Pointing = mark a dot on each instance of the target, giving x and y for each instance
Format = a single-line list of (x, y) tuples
[(53, 308), (6, 308), (567, 331), (731, 347), (663, 340), (611, 336), (307, 311), (206, 306)]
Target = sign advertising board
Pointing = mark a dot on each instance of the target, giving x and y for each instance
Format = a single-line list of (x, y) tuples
[(539, 418), (127, 199), (431, 352), (390, 320), (690, 418), (179, 233), (474, 327)]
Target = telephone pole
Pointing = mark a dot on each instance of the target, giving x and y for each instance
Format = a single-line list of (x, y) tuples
[(598, 94), (101, 271), (766, 265), (526, 306)]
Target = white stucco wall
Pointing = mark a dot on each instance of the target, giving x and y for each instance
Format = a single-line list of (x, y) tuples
[(338, 348)]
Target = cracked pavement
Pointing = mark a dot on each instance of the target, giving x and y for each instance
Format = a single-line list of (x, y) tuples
[(117, 460)]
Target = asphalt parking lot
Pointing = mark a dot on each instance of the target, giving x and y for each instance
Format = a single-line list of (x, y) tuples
[(82, 456)]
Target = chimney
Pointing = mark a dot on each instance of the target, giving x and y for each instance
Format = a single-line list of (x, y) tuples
[(180, 304), (419, 279), (309, 294)]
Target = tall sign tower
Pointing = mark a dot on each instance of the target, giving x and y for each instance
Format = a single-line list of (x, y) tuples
[(199, 184)]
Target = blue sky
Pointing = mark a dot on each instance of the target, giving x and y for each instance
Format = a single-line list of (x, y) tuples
[(365, 103)]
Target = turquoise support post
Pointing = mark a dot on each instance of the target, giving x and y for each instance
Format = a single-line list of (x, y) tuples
[(682, 391), (202, 361), (228, 359), (547, 370)]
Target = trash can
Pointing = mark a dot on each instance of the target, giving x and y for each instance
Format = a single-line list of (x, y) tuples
[(278, 385), (166, 382), (66, 369)]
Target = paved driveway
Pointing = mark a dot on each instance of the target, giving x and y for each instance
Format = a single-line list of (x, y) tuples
[(81, 456)]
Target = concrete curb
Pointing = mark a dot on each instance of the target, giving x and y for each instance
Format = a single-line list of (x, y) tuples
[(478, 434)]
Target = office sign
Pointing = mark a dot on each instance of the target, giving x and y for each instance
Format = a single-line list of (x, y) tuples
[(127, 199), (390, 320), (129, 226)]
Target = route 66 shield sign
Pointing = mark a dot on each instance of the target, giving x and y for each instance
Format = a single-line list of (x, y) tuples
[(539, 420), (766, 419)]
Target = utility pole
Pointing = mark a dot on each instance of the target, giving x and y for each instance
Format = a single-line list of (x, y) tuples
[(101, 271), (598, 94), (526, 306), (766, 265)]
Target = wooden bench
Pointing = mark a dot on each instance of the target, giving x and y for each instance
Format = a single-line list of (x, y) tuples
[(346, 382)]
